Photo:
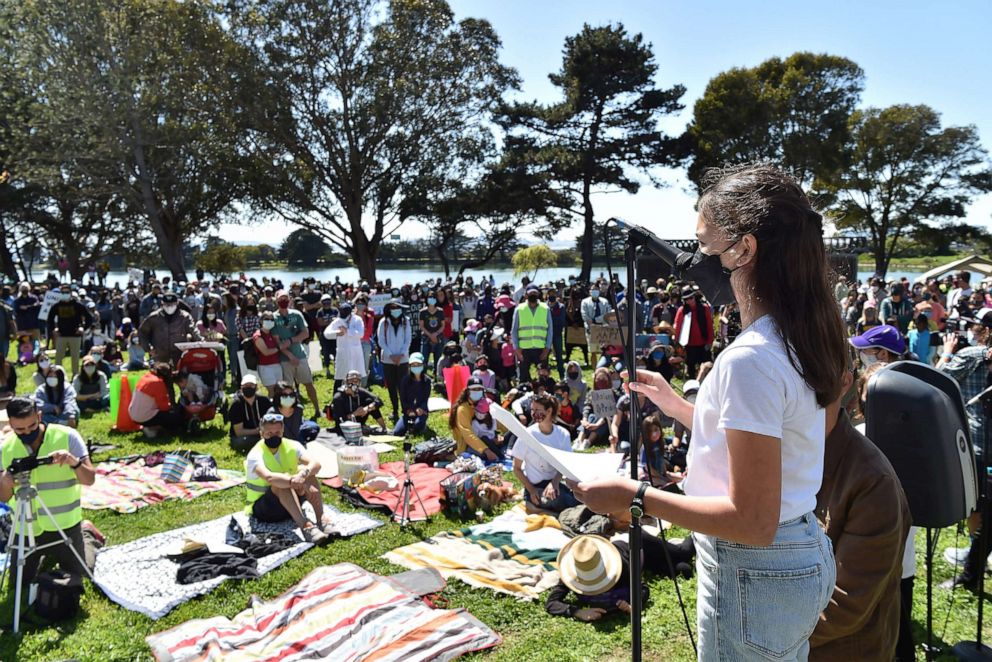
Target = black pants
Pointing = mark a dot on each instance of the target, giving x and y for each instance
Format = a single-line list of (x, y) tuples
[(905, 652), (569, 348), (532, 357), (394, 374), (557, 340), (171, 420), (327, 349), (63, 556), (695, 356)]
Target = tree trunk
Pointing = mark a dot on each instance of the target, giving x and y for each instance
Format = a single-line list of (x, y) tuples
[(587, 235), (167, 238), (7, 257)]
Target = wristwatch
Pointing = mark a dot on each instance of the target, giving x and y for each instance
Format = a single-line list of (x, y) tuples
[(637, 505)]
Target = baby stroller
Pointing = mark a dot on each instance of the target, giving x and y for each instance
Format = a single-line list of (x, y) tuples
[(202, 362)]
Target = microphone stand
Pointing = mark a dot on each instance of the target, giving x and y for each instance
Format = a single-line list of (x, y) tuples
[(635, 543)]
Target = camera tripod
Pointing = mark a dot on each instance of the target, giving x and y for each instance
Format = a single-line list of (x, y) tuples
[(402, 515), (23, 520)]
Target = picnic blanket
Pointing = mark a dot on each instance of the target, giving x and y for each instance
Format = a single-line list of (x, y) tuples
[(426, 479), (502, 555), (138, 576), (125, 488), (338, 612)]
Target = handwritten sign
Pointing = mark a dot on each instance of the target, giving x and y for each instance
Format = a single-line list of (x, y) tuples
[(601, 334), (379, 301), (51, 298), (604, 403)]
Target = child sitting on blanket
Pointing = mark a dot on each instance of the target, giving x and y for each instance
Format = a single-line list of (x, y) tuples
[(484, 426)]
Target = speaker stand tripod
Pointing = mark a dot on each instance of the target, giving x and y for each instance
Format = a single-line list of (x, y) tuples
[(402, 516)]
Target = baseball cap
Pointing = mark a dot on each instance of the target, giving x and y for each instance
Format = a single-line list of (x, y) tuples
[(249, 380), (984, 317), (884, 337), (474, 382), (170, 297), (417, 357)]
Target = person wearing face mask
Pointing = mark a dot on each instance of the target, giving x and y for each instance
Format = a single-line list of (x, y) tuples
[(92, 391), (26, 309), (880, 344), (162, 329), (348, 329), (576, 385), (292, 331), (245, 414), (279, 476), (657, 361), (594, 309), (268, 350), (558, 324), (486, 304), (287, 405), (56, 399), (460, 422), (394, 337), (353, 403), (362, 310), (531, 333), (431, 324), (44, 365), (543, 485), (58, 484), (415, 391), (66, 321), (699, 339), (323, 316)]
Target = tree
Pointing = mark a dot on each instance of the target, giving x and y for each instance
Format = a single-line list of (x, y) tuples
[(905, 170), (221, 259), (605, 127), (945, 238), (365, 97), (303, 248), (146, 96), (793, 112), (533, 259)]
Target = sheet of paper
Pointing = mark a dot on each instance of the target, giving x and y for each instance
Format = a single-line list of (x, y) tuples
[(574, 466)]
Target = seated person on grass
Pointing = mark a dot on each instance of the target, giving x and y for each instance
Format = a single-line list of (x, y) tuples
[(56, 399), (245, 414), (543, 485), (92, 391), (285, 402), (594, 429), (354, 403), (460, 421), (568, 415), (415, 391), (279, 474)]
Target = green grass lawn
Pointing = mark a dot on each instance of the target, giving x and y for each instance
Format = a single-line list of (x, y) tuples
[(105, 631)]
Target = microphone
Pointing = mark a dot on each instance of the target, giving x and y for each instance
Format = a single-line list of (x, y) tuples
[(677, 259)]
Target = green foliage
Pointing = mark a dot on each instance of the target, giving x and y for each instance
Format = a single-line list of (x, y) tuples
[(603, 131), (303, 248), (364, 99), (534, 258), (905, 169), (221, 259), (793, 112)]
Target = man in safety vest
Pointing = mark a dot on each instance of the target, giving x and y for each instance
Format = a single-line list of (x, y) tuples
[(531, 333), (58, 485), (279, 473)]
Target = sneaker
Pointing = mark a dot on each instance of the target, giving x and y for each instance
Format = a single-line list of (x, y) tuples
[(314, 535), (962, 581), (956, 555)]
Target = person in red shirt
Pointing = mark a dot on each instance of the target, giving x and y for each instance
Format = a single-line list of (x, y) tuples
[(700, 339), (446, 306), (153, 403), (367, 314), (568, 417)]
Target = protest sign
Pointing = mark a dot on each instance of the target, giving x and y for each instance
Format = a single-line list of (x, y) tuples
[(51, 298), (378, 301), (604, 403), (601, 334)]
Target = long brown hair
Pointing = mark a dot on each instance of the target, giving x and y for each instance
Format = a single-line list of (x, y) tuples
[(791, 275)]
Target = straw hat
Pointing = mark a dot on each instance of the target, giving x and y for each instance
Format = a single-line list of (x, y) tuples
[(589, 565)]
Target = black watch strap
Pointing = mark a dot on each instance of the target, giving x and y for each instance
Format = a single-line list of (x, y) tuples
[(637, 504)]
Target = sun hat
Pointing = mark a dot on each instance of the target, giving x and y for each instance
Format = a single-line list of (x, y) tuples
[(884, 337), (690, 385), (589, 565), (482, 406)]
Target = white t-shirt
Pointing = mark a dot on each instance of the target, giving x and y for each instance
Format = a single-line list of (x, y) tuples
[(753, 387), (255, 458), (536, 469)]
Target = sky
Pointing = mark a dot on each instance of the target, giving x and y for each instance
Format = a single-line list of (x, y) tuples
[(911, 52)]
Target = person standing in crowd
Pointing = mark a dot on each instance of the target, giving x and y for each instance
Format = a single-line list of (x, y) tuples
[(431, 324), (699, 316), (918, 339), (66, 321), (756, 459), (393, 336), (959, 294), (573, 320), (879, 344), (594, 309), (348, 330), (245, 414), (362, 309), (292, 331), (151, 301), (897, 306), (231, 313), (531, 333), (558, 323), (26, 309), (328, 346)]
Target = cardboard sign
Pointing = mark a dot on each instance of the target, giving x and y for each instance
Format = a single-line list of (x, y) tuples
[(379, 301), (601, 334), (51, 298), (575, 335), (604, 403)]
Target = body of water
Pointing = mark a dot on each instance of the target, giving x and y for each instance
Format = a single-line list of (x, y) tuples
[(400, 275)]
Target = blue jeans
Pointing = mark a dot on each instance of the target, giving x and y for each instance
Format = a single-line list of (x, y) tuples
[(417, 424), (431, 352), (763, 602), (565, 498)]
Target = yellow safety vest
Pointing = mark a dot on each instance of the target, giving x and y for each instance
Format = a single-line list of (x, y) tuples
[(532, 332), (286, 464), (57, 485)]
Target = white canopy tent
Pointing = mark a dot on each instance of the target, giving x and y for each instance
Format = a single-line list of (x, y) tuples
[(973, 263)]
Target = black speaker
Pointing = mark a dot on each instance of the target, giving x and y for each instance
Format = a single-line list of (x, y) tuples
[(915, 415)]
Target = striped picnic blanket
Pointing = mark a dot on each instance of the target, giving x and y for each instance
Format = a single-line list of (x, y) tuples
[(124, 488), (505, 555), (339, 612)]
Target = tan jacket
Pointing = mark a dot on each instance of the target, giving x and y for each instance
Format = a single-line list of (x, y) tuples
[(862, 506)]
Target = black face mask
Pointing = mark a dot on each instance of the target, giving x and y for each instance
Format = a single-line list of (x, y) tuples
[(573, 375), (273, 442), (30, 437), (532, 299), (712, 277), (248, 392)]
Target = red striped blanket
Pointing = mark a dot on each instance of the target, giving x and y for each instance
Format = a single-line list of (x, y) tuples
[(124, 488), (340, 612)]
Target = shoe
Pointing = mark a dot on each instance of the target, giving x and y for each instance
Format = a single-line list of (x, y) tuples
[(956, 555), (962, 581), (314, 535), (98, 536)]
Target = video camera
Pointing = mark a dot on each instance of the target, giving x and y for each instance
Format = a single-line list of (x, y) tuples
[(29, 463)]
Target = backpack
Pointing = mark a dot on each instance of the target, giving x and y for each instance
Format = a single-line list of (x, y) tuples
[(251, 353), (58, 595), (579, 520), (434, 450)]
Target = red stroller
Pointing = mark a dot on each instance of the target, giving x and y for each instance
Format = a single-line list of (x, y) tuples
[(202, 362)]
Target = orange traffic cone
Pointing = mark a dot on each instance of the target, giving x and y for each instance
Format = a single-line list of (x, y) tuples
[(124, 421)]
